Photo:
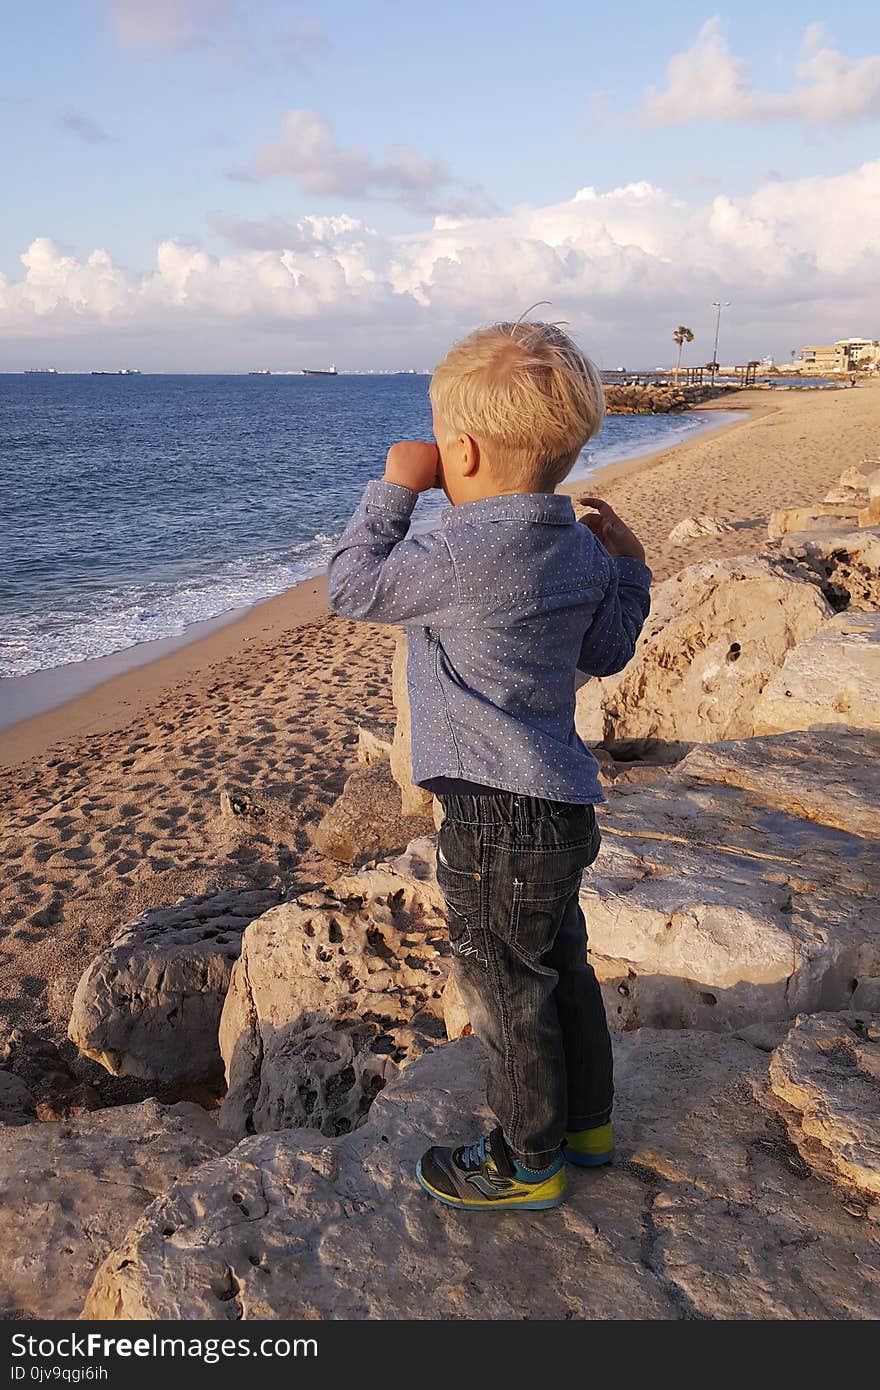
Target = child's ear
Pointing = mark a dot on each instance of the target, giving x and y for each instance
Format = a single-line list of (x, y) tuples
[(470, 455)]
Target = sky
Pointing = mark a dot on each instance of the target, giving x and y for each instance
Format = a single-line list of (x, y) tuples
[(207, 185)]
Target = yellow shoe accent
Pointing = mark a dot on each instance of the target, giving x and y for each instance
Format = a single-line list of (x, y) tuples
[(590, 1148)]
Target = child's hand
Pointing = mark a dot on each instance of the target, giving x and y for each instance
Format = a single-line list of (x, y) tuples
[(413, 464), (614, 534)]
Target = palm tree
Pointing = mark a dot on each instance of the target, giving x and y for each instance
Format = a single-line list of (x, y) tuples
[(681, 336)]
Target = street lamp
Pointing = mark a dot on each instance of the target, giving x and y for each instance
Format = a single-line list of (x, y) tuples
[(718, 304)]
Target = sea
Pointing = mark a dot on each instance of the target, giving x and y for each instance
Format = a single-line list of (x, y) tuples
[(132, 507)]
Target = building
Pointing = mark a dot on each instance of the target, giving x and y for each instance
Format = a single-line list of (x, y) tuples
[(846, 355)]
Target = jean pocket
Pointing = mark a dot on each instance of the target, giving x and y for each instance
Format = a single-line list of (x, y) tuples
[(536, 912)]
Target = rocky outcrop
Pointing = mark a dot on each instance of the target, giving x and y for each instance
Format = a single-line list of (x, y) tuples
[(706, 1214), (831, 678), (715, 635), (414, 800), (844, 562), (814, 518), (366, 819), (828, 776), (693, 526), (326, 1002), (149, 1006), (710, 908), (69, 1192), (53, 1088), (827, 1073), (373, 745), (17, 1106)]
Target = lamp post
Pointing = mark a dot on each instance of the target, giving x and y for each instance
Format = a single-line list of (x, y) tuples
[(718, 304)]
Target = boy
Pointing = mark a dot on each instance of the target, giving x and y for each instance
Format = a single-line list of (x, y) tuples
[(503, 604)]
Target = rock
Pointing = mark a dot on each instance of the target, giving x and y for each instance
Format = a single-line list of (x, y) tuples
[(17, 1105), (829, 776), (366, 818), (373, 745), (266, 809), (53, 1087), (831, 678), (693, 526), (70, 1191), (844, 562), (828, 1074), (322, 1005), (870, 515), (806, 518), (455, 1014), (715, 635), (711, 907), (414, 800), (702, 1217), (149, 1005), (851, 488)]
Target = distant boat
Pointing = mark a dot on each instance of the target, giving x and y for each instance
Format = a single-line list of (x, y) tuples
[(330, 371), (41, 371), (122, 371), (261, 371)]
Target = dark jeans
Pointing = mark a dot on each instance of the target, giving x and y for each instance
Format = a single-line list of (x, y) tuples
[(510, 867)]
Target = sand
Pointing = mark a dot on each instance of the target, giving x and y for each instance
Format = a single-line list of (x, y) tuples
[(110, 802)]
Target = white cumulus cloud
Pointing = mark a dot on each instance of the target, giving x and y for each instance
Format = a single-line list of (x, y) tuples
[(799, 259), (708, 82), (306, 151)]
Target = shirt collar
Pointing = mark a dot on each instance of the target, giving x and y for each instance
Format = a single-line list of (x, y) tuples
[(552, 508)]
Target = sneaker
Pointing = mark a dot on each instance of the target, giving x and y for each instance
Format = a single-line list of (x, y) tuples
[(477, 1177), (590, 1148)]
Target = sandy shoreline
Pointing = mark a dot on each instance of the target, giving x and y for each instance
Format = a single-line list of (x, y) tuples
[(111, 800), (46, 708)]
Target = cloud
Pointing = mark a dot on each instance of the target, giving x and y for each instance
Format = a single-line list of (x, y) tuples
[(165, 25), (799, 259), (306, 151), (229, 28), (707, 82), (85, 128)]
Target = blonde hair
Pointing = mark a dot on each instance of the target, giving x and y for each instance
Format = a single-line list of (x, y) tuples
[(525, 391)]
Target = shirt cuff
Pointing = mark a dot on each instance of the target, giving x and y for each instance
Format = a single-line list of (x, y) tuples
[(633, 571), (391, 498)]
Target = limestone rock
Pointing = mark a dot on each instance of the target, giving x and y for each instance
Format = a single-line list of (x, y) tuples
[(782, 523), (710, 908), (828, 1074), (323, 1004), (414, 800), (373, 745), (828, 775), (36, 1062), (16, 1102), (831, 678), (844, 562), (702, 1216), (455, 1014), (366, 818), (149, 1005), (715, 635), (69, 1192), (692, 526)]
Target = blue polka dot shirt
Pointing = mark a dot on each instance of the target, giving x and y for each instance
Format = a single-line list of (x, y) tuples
[(503, 605)]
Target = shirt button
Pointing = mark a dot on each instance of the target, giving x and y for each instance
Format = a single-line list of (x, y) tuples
[(478, 877)]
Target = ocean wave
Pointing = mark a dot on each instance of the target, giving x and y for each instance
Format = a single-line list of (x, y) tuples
[(121, 618)]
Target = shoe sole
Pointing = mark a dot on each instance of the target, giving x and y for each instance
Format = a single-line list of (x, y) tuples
[(461, 1205), (589, 1160)]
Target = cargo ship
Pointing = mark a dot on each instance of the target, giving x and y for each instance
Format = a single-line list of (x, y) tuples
[(41, 371), (329, 371), (122, 371)]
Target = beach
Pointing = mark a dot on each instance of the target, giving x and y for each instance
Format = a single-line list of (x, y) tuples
[(111, 800)]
